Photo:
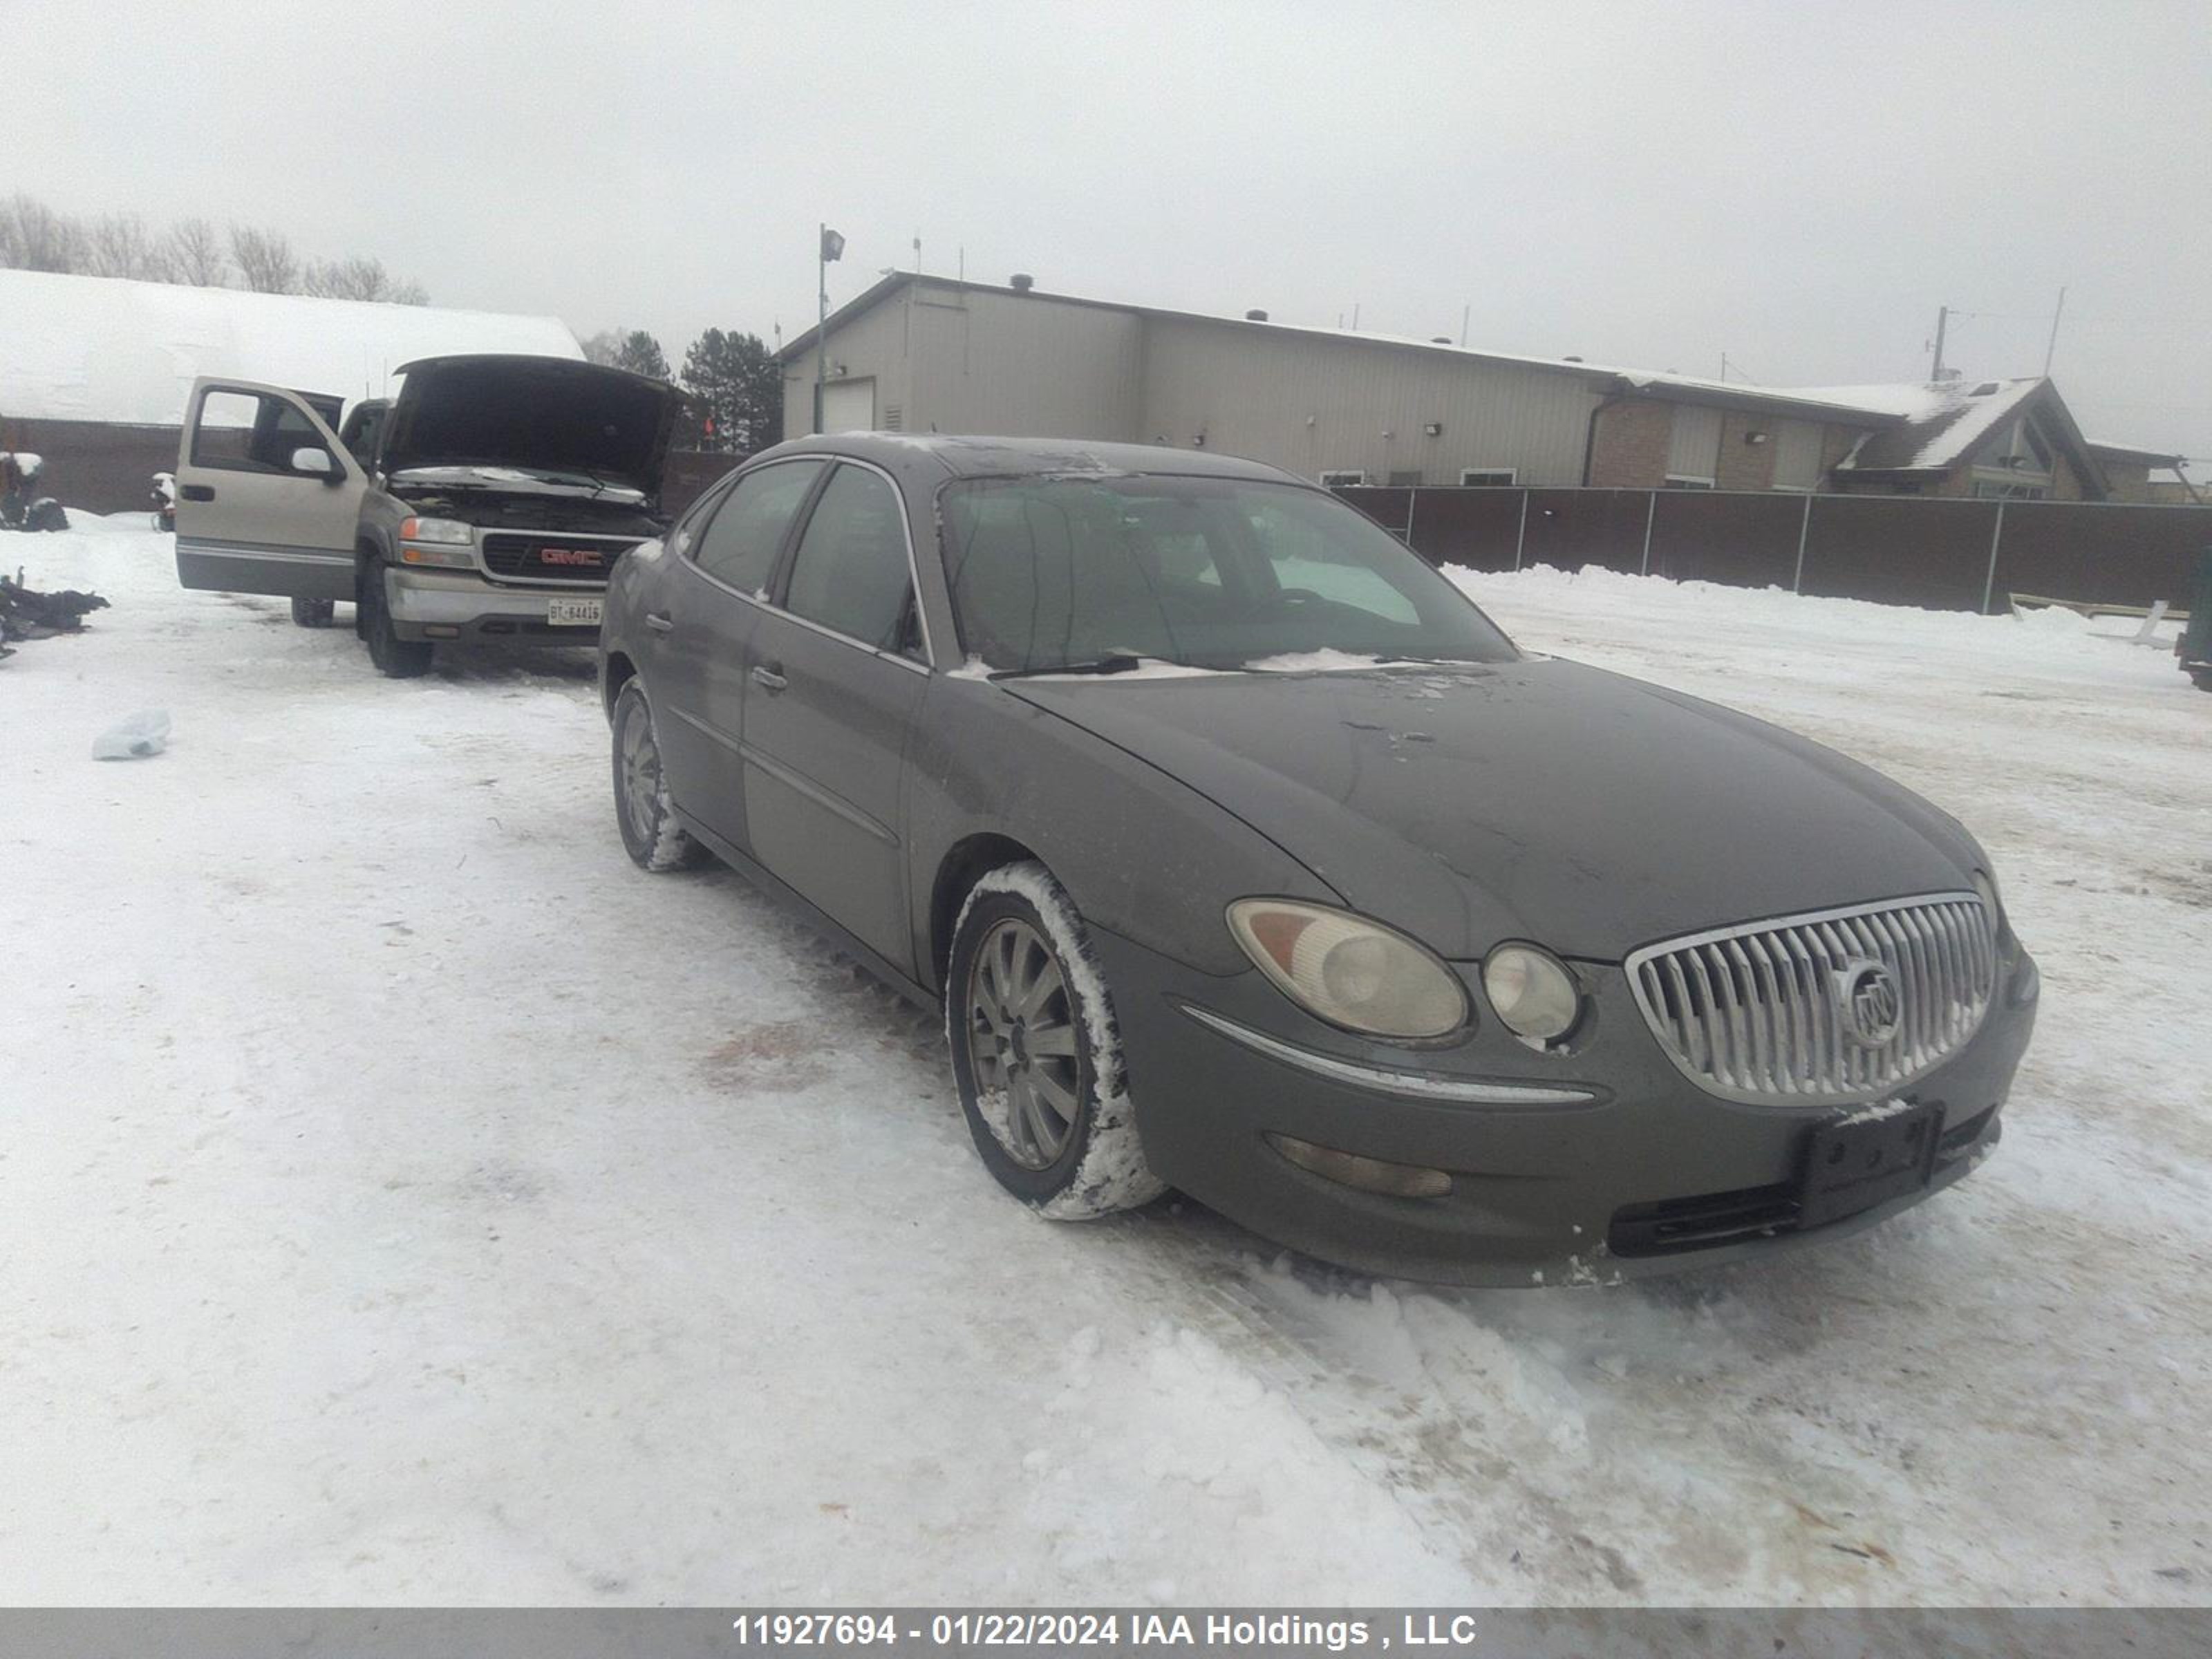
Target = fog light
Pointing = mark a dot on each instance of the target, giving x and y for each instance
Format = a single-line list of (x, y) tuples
[(1368, 1175)]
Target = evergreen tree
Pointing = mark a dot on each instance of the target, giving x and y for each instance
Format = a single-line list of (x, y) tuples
[(741, 385), (640, 354)]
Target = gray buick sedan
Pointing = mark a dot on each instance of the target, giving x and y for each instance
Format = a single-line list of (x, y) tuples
[(1246, 856)]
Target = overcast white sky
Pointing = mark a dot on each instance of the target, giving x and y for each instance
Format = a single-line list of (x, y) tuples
[(1640, 184)]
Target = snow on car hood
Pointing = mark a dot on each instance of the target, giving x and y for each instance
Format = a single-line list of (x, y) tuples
[(532, 416), (1537, 799)]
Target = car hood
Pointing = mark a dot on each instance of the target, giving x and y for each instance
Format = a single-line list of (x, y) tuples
[(1537, 800), (532, 415)]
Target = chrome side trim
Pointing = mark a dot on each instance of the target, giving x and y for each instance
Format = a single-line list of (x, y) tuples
[(1415, 1085), (1756, 1013)]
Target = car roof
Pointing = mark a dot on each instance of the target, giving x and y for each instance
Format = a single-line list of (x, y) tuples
[(978, 457)]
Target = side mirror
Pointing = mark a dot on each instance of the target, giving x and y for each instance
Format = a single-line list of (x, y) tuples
[(316, 463)]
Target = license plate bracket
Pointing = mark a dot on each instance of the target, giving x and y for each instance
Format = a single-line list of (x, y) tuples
[(1876, 1154)]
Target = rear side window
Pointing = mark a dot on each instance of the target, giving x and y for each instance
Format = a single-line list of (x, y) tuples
[(851, 572), (740, 542)]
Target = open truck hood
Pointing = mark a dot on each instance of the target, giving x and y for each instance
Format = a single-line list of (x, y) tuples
[(533, 415)]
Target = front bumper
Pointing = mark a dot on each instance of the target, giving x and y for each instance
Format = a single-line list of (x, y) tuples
[(450, 604), (1647, 1175)]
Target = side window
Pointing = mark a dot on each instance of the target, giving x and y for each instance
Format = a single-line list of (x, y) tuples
[(686, 530), (850, 572), (251, 432), (740, 544)]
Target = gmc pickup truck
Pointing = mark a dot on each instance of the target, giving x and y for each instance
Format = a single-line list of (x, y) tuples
[(489, 499)]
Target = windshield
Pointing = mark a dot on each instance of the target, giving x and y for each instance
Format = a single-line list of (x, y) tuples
[(1050, 573)]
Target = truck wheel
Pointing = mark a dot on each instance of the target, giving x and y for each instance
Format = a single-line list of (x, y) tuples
[(397, 659), (2202, 677), (1037, 1052), (651, 836), (313, 613)]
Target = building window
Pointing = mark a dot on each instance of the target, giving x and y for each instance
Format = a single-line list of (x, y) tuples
[(1684, 481), (1344, 478), (1405, 480), (1488, 478)]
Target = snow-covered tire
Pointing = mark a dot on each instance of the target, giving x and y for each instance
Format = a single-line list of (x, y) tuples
[(1099, 1167), (651, 836), (313, 613)]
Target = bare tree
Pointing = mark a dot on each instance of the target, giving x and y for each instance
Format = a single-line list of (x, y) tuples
[(119, 245), (34, 237), (358, 277), (265, 259), (192, 251)]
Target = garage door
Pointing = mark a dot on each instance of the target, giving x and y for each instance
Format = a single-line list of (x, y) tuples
[(849, 406)]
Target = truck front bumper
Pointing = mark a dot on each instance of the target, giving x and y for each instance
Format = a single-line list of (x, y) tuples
[(454, 604)]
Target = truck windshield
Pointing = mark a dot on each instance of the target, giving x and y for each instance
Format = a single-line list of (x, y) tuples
[(1050, 573)]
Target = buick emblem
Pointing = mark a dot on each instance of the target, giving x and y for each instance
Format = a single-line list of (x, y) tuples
[(1865, 997)]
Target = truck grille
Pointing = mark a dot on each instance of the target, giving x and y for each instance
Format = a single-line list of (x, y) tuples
[(1763, 1013), (549, 557)]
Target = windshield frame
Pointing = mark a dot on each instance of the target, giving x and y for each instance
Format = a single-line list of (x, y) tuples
[(1420, 573)]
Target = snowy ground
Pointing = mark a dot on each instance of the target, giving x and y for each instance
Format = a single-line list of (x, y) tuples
[(403, 1200)]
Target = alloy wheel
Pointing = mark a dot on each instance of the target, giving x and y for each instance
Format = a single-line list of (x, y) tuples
[(1022, 1044)]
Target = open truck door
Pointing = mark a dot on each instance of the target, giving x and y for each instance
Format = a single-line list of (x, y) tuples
[(268, 498)]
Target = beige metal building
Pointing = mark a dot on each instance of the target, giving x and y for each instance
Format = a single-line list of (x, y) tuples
[(923, 354)]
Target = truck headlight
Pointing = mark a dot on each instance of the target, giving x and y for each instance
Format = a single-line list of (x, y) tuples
[(1348, 971), (1535, 995), (446, 542)]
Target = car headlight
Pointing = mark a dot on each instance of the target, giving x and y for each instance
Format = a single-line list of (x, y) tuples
[(1348, 971), (1535, 995)]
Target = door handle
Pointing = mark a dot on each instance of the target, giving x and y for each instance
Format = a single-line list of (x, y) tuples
[(660, 621), (197, 492), (770, 678)]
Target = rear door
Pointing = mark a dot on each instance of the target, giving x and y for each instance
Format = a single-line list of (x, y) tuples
[(693, 646), (267, 497), (838, 667)]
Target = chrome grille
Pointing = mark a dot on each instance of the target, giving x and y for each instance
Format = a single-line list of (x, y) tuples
[(1757, 1012)]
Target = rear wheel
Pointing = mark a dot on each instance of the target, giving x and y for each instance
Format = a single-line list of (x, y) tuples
[(313, 613), (1037, 1052), (650, 833), (400, 659)]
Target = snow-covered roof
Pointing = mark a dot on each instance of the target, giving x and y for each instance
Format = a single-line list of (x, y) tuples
[(102, 348), (1945, 421)]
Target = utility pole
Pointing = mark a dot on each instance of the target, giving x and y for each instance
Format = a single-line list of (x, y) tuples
[(830, 246), (2052, 351), (1943, 319)]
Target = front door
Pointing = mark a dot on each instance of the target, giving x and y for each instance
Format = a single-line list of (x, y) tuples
[(838, 668), (268, 498), (697, 646)]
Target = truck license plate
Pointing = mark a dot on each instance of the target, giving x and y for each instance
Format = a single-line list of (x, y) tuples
[(574, 613)]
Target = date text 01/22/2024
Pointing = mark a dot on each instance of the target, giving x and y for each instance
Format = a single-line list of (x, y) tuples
[(1063, 1628)]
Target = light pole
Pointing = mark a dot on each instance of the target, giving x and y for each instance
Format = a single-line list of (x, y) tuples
[(830, 246)]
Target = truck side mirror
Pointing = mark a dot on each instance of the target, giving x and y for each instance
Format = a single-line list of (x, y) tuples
[(316, 463)]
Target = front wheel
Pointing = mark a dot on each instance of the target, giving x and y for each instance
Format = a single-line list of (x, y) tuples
[(398, 659), (651, 836), (1037, 1052)]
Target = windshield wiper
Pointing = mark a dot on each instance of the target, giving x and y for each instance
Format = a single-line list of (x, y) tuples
[(1114, 662)]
